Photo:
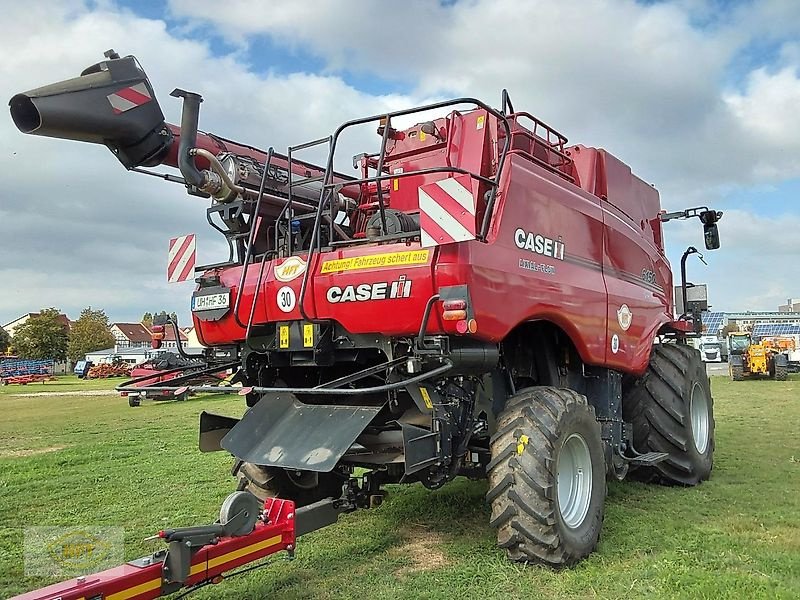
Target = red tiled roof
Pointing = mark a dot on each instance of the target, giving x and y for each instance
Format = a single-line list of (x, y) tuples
[(169, 334), (135, 332)]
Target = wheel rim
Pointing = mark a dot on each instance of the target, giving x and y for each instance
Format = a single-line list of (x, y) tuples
[(574, 480), (698, 409)]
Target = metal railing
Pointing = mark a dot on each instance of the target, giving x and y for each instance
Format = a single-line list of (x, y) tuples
[(330, 187)]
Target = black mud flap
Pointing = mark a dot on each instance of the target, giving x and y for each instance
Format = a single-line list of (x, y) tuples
[(212, 429), (420, 446), (280, 431)]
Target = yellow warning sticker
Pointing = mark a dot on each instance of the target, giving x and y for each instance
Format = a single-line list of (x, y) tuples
[(283, 336), (308, 335), (395, 184), (480, 122), (422, 136), (376, 261), (426, 397)]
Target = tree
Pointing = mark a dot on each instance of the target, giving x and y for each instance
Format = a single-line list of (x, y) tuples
[(728, 329), (42, 336), (147, 319), (89, 333), (5, 340)]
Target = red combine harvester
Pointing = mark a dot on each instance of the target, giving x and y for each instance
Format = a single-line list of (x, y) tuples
[(481, 299)]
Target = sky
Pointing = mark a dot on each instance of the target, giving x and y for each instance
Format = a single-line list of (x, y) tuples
[(700, 97)]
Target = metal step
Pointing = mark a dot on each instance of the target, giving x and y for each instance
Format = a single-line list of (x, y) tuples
[(649, 458)]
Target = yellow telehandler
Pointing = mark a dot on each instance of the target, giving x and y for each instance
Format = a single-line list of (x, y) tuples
[(748, 359)]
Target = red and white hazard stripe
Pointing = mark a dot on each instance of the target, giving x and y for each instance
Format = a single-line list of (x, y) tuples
[(129, 97), (182, 256), (447, 211)]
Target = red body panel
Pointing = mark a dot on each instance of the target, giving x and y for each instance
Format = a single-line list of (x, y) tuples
[(578, 244)]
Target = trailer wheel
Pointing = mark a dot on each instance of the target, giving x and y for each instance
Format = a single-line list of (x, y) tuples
[(134, 401), (672, 411), (303, 487), (547, 481)]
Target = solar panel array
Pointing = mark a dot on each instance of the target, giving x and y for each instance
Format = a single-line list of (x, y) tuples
[(713, 322), (771, 329)]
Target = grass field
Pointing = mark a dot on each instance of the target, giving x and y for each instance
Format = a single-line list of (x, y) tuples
[(92, 460)]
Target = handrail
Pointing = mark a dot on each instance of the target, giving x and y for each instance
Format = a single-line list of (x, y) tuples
[(328, 187), (254, 226)]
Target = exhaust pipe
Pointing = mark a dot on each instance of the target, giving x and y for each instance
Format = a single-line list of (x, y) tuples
[(190, 119), (111, 103)]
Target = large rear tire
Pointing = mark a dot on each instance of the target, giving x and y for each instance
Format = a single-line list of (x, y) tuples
[(781, 372), (737, 372), (672, 411), (547, 481), (303, 487)]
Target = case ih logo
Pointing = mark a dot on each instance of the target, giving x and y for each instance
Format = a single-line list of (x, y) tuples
[(539, 244), (447, 211), (291, 268), (129, 97), (383, 290)]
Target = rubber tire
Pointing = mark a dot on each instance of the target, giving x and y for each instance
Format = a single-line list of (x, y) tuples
[(737, 372), (272, 482), (781, 373), (657, 404), (523, 485), (133, 402)]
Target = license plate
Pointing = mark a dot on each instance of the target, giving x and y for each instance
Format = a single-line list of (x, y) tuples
[(211, 302)]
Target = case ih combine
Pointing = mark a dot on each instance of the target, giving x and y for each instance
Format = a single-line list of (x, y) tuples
[(481, 299)]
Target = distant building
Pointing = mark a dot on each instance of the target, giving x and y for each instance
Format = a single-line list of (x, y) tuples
[(192, 341), (137, 335), (131, 356), (746, 320), (130, 335), (169, 342), (792, 306), (11, 326)]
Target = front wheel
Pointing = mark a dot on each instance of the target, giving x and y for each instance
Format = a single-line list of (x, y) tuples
[(547, 481), (672, 411)]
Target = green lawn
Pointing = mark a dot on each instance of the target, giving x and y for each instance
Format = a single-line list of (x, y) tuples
[(71, 460)]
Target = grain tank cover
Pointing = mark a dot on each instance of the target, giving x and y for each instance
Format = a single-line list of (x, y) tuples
[(111, 103)]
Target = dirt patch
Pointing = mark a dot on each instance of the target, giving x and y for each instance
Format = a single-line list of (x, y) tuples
[(75, 393), (28, 452), (422, 548)]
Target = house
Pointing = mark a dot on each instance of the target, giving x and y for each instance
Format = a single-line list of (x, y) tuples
[(191, 336), (130, 335), (169, 342), (137, 335), (11, 326), (60, 368), (131, 356)]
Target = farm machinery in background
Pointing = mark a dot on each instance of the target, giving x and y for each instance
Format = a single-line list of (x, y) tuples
[(480, 299), (21, 372), (768, 357), (179, 369)]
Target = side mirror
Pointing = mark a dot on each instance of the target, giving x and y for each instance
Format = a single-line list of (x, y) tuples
[(711, 236), (709, 219)]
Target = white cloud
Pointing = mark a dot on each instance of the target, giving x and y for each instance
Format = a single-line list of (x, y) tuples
[(69, 210), (767, 110), (642, 80)]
